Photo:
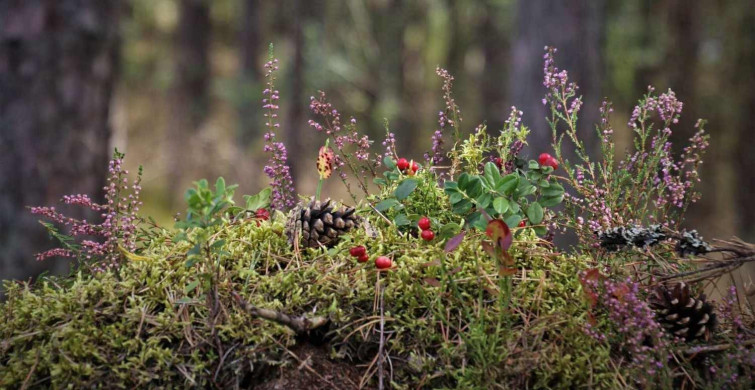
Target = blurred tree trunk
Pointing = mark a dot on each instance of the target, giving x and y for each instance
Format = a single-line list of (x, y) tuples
[(295, 126), (681, 65), (190, 98), (576, 28), (742, 79), (57, 66), (495, 48), (251, 76), (389, 26)]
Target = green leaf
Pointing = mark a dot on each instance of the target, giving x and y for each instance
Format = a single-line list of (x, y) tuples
[(259, 201), (405, 189), (500, 204), (380, 181), (554, 189), (535, 213), (463, 181), (507, 184), (462, 207), (533, 165), (455, 197), (449, 230), (474, 188), (450, 186), (389, 163), (550, 201), (220, 186), (386, 204), (513, 220), (492, 173), (477, 220), (191, 286), (401, 220), (483, 201), (525, 188), (541, 230)]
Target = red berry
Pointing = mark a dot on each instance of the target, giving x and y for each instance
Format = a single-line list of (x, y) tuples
[(428, 235), (363, 258), (358, 251), (424, 223), (551, 162), (543, 158), (415, 167), (383, 262), (498, 161), (402, 164), (522, 223), (262, 214)]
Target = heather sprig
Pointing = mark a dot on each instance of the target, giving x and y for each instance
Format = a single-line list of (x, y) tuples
[(629, 326), (451, 117), (352, 148), (435, 156), (511, 141), (650, 186), (118, 228), (277, 168)]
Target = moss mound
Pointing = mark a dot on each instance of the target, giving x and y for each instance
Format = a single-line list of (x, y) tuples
[(446, 323)]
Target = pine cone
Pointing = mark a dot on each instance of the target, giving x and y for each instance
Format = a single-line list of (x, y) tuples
[(682, 315), (319, 223)]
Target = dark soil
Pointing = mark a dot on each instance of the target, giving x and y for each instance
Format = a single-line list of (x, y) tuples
[(313, 369)]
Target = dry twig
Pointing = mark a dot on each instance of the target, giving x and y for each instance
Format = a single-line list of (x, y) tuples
[(300, 324)]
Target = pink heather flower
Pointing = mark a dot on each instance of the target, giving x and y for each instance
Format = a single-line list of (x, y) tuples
[(277, 168), (451, 107), (119, 214)]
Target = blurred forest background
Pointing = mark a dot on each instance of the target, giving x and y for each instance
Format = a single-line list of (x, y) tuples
[(176, 84)]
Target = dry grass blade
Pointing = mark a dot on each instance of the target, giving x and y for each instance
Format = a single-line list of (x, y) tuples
[(735, 253)]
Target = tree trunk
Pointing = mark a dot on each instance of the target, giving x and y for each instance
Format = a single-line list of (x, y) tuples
[(495, 48), (190, 93), (57, 65), (742, 79), (251, 43), (295, 126), (576, 28)]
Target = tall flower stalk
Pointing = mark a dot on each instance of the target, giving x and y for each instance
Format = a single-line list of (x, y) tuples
[(116, 231), (277, 168)]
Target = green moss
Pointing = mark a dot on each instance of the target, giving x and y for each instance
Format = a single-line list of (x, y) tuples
[(151, 322)]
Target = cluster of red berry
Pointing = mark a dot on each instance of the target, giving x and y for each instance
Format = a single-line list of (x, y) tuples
[(360, 252), (261, 215), (407, 167), (547, 160), (424, 225)]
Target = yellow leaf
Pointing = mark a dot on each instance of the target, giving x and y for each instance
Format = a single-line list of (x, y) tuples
[(325, 162), (132, 256)]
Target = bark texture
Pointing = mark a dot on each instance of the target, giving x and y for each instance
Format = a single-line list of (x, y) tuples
[(57, 65)]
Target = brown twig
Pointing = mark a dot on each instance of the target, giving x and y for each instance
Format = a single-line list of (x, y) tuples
[(381, 348), (738, 253), (715, 348), (300, 324)]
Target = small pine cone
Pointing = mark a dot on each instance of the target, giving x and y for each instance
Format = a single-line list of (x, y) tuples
[(682, 315), (320, 223)]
